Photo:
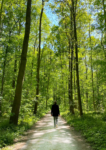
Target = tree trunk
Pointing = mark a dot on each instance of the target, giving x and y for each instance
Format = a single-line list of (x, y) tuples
[(38, 61), (97, 85), (77, 68), (1, 18), (15, 70), (2, 82), (47, 95), (70, 82), (102, 44), (3, 75), (18, 91), (4, 59), (71, 70), (104, 9), (15, 62), (86, 87), (74, 84), (92, 69), (33, 60), (70, 91)]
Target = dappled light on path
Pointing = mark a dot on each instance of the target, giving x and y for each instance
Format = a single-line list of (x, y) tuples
[(45, 137)]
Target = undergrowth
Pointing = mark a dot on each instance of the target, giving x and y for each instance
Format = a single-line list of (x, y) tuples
[(92, 127), (9, 132)]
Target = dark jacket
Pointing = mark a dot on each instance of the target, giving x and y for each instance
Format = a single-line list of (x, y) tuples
[(55, 110)]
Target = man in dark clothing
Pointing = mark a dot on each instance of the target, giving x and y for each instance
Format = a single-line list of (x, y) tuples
[(55, 113)]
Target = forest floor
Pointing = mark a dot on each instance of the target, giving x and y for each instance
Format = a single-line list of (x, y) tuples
[(43, 136)]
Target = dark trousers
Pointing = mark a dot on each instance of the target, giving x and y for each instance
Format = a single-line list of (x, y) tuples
[(55, 120)]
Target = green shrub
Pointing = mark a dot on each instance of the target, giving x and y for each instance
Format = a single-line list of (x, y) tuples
[(104, 116), (91, 127), (8, 132)]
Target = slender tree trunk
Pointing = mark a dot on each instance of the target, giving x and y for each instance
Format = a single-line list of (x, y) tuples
[(104, 9), (97, 100), (77, 68), (102, 44), (92, 68), (4, 59), (74, 84), (104, 31), (86, 86), (1, 17), (33, 60), (102, 100), (15, 70), (47, 95), (93, 88), (71, 86), (70, 82), (15, 62), (70, 90), (3, 76), (71, 70), (18, 91), (38, 61)]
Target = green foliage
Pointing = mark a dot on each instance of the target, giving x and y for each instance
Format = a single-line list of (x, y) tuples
[(54, 65), (9, 132), (104, 116), (91, 127)]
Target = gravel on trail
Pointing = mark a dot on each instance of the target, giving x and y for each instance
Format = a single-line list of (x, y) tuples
[(43, 136)]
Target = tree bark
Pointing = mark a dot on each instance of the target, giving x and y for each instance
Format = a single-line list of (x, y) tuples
[(1, 17), (92, 70), (77, 68), (70, 86), (47, 95), (18, 91), (15, 62), (38, 61), (70, 81), (4, 59), (3, 75), (86, 87), (71, 70), (102, 44), (104, 9), (15, 70)]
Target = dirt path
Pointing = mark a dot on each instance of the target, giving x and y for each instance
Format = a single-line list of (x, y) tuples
[(44, 136)]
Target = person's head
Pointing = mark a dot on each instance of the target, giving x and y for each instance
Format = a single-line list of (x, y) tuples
[(55, 102)]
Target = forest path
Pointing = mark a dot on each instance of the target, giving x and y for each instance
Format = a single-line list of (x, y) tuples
[(44, 136)]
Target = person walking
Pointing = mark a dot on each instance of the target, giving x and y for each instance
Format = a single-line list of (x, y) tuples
[(55, 112)]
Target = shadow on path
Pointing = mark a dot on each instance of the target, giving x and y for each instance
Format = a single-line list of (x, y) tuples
[(43, 136)]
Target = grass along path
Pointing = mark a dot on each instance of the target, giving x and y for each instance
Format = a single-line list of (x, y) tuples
[(43, 136)]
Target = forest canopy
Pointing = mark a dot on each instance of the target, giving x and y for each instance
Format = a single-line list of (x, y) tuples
[(52, 50), (65, 62)]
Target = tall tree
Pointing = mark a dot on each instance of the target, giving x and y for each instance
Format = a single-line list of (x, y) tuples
[(3, 74), (91, 67), (38, 61), (76, 50), (18, 91), (1, 17)]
